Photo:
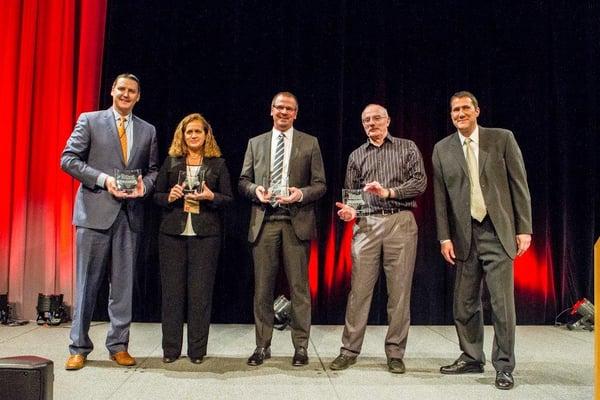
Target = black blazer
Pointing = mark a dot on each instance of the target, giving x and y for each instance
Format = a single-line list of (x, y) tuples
[(208, 221)]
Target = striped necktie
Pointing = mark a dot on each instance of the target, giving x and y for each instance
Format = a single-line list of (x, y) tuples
[(277, 172), (123, 137), (478, 210)]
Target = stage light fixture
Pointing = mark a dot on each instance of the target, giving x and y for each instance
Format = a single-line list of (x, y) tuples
[(283, 310), (6, 313), (50, 309), (4, 310), (585, 309)]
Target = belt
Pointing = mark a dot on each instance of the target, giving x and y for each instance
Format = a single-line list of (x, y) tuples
[(388, 211), (483, 221), (276, 217)]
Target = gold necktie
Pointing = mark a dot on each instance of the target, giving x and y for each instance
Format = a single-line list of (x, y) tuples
[(122, 137), (478, 210)]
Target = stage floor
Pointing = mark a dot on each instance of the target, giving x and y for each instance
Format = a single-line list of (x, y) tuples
[(552, 363)]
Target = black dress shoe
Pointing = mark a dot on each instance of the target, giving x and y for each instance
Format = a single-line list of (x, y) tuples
[(169, 360), (260, 354), (300, 357), (504, 380), (462, 367), (196, 360)]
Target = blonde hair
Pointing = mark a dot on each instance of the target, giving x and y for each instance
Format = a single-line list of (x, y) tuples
[(179, 148)]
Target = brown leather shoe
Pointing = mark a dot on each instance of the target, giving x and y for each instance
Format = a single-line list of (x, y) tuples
[(74, 362), (342, 362), (396, 365), (123, 358)]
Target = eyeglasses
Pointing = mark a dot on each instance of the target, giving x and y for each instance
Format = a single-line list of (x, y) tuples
[(281, 108), (374, 118)]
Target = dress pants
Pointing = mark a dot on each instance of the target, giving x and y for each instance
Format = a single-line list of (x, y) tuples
[(94, 250), (391, 239), (188, 265), (487, 260), (277, 240)]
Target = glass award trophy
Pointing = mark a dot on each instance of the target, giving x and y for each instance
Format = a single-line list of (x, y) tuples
[(279, 187), (191, 179), (127, 179), (355, 198)]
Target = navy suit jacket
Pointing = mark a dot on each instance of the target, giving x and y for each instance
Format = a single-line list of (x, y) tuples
[(93, 148)]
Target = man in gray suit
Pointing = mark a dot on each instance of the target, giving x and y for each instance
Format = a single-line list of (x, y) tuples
[(108, 220), (282, 225), (483, 213)]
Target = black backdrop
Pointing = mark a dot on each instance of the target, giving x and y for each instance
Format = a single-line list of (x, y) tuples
[(533, 67)]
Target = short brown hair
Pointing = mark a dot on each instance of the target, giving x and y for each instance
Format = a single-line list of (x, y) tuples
[(127, 75), (285, 94), (464, 93)]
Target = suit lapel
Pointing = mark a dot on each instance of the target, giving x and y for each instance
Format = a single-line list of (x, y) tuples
[(484, 146), (457, 152), (295, 155), (295, 150), (178, 164), (134, 137), (267, 144), (296, 139), (263, 169)]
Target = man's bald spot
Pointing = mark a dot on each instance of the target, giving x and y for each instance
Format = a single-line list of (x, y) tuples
[(373, 105)]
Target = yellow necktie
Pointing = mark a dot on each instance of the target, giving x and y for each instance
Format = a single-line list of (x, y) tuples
[(478, 210), (122, 137)]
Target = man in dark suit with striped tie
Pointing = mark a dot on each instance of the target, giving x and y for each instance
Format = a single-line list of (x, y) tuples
[(390, 171), (282, 222)]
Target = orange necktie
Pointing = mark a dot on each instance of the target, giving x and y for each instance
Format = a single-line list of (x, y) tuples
[(122, 137)]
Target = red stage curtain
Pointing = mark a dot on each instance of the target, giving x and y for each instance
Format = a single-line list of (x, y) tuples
[(50, 72)]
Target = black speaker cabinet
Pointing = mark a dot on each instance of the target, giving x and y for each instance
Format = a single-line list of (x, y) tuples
[(26, 378)]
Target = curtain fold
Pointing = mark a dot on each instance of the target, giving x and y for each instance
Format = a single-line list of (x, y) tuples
[(50, 72)]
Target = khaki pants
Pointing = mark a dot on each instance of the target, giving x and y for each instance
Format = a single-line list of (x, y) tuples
[(391, 240)]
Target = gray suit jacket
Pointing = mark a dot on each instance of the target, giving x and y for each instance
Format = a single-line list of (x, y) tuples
[(93, 148), (503, 183), (305, 172)]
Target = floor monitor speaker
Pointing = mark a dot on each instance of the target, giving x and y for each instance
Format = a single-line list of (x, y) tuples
[(26, 378)]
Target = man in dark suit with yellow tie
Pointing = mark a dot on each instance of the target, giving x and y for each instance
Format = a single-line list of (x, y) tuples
[(483, 214), (282, 224)]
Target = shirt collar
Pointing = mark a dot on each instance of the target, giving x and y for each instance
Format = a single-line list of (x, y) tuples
[(117, 115), (474, 136), (387, 138), (286, 134)]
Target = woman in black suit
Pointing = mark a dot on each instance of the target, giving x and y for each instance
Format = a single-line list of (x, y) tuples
[(190, 235)]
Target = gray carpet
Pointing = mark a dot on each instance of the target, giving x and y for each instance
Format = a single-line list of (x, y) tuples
[(552, 363)]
